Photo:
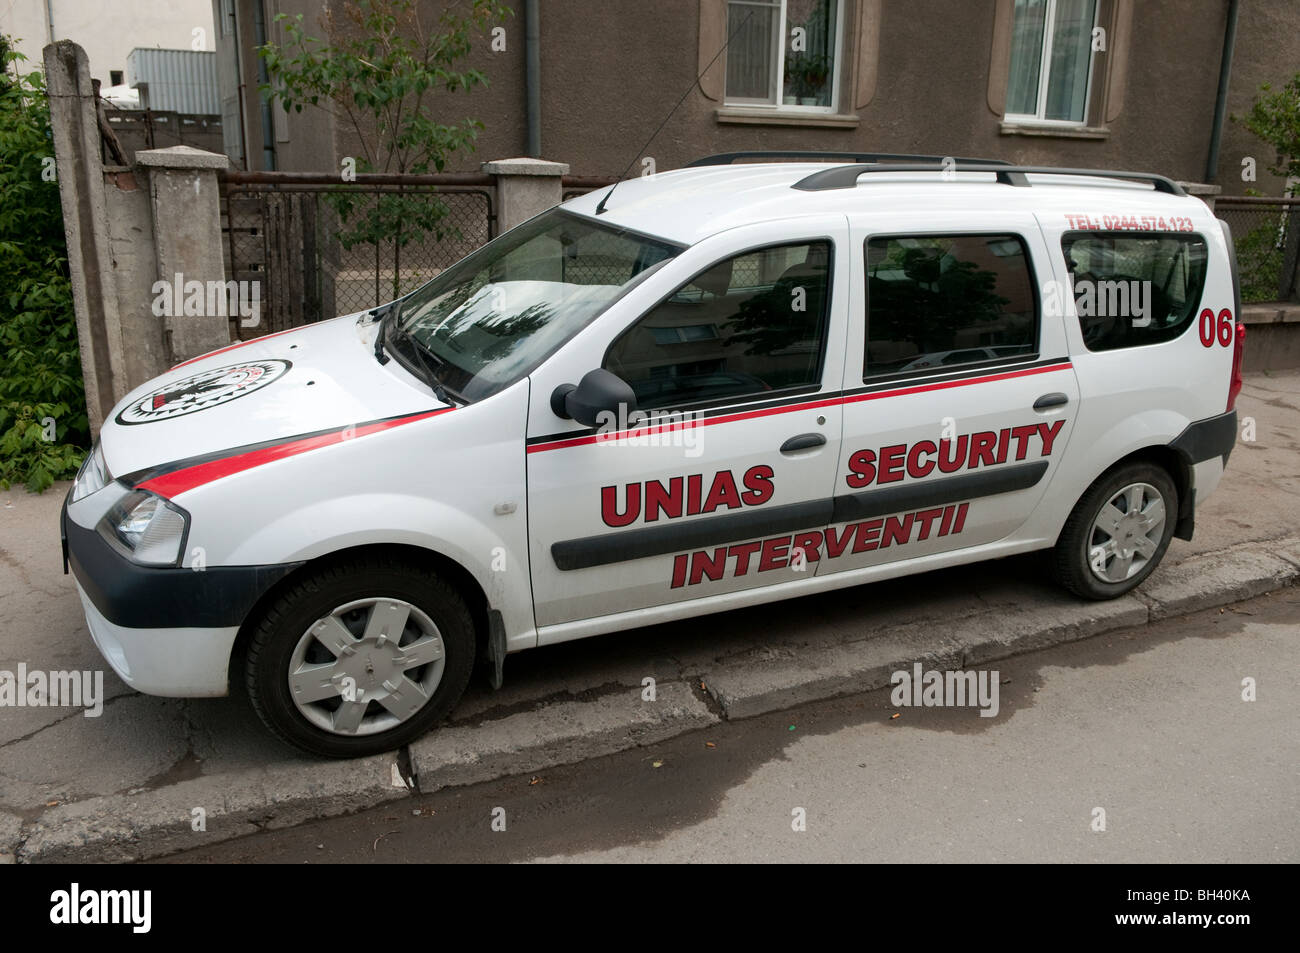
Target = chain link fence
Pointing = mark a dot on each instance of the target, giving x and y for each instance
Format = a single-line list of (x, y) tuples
[(319, 247), (1266, 233)]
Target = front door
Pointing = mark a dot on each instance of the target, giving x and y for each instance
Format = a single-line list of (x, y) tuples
[(735, 364)]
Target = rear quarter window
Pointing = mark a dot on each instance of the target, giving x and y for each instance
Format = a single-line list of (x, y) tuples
[(1131, 290)]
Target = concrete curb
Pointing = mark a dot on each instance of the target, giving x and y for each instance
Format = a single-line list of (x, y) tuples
[(149, 824), (126, 827), (11, 826), (560, 733)]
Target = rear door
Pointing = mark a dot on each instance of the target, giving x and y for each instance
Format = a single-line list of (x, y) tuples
[(734, 360), (959, 397)]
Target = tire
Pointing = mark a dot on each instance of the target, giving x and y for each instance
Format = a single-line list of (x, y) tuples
[(385, 691), (1089, 560)]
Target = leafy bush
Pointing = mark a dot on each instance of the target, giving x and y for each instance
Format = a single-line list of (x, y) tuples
[(1259, 261), (44, 431), (1275, 117)]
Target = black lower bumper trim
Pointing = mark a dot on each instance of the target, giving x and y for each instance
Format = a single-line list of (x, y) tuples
[(1209, 438), (143, 597)]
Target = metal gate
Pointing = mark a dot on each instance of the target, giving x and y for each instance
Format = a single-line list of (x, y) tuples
[(319, 246)]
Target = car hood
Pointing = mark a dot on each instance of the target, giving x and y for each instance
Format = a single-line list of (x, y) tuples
[(293, 384)]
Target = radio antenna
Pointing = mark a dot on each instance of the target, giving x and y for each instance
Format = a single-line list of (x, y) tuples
[(600, 209)]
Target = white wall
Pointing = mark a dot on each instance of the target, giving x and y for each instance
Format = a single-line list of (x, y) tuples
[(107, 29)]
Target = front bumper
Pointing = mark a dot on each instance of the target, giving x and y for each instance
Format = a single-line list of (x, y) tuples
[(178, 663), (165, 631)]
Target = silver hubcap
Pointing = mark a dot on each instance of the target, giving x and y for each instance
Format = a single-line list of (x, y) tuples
[(1126, 533), (366, 667)]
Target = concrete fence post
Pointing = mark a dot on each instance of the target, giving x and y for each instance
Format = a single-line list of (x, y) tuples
[(80, 169), (185, 198), (525, 187)]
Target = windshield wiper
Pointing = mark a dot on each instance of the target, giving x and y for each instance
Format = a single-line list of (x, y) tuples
[(383, 312), (422, 355)]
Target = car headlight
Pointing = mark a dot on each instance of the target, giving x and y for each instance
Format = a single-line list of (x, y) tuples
[(147, 529), (93, 475)]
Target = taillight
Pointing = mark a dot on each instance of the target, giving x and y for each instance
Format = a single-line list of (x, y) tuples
[(1238, 352)]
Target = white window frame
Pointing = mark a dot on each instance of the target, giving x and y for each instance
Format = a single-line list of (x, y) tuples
[(780, 53), (1037, 118)]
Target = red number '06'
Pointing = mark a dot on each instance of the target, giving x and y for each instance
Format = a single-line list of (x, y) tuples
[(1213, 328)]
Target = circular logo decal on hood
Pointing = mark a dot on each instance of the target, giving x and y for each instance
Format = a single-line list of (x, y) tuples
[(200, 391)]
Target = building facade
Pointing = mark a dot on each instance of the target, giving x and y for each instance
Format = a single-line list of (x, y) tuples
[(1094, 83)]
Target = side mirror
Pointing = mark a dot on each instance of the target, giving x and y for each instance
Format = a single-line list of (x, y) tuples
[(598, 392)]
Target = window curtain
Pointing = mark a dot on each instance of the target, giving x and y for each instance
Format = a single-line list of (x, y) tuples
[(751, 63), (1067, 88), (1026, 57)]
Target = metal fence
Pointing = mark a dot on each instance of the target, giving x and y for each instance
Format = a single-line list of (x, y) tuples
[(321, 246), (1266, 233)]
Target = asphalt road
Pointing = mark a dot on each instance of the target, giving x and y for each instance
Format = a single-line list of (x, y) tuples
[(1149, 726)]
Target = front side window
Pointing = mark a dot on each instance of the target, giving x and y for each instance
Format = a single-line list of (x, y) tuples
[(1051, 60), (783, 52), (1131, 290), (748, 325), (492, 317), (939, 301)]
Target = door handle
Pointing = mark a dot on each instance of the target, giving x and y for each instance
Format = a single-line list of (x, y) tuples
[(805, 441), (1048, 401)]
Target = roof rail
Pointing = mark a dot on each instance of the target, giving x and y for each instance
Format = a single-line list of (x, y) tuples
[(728, 158), (846, 176)]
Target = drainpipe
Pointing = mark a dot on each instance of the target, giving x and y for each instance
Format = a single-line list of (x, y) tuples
[(533, 77), (268, 124), (49, 18), (1221, 102), (241, 87)]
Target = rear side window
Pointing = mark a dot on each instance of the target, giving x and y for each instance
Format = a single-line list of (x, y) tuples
[(1131, 290), (940, 301), (749, 324)]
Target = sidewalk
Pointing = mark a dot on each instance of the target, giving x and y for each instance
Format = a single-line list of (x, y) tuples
[(127, 784)]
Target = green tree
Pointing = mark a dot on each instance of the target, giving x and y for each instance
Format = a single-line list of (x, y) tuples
[(377, 73), (43, 425), (1275, 118)]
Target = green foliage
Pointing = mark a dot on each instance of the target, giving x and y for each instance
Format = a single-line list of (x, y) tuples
[(41, 391), (1259, 260), (377, 74), (1275, 118)]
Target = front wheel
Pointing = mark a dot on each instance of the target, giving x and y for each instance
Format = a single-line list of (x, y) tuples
[(1118, 532), (360, 657)]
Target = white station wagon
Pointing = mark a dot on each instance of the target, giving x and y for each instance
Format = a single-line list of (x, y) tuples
[(709, 388)]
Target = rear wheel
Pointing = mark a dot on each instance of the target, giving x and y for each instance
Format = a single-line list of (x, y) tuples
[(1118, 531), (360, 657)]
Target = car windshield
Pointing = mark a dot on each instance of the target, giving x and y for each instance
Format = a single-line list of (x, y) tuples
[(493, 317)]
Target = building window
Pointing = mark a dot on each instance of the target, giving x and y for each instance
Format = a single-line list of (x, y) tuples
[(1051, 61), (784, 53), (115, 77)]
